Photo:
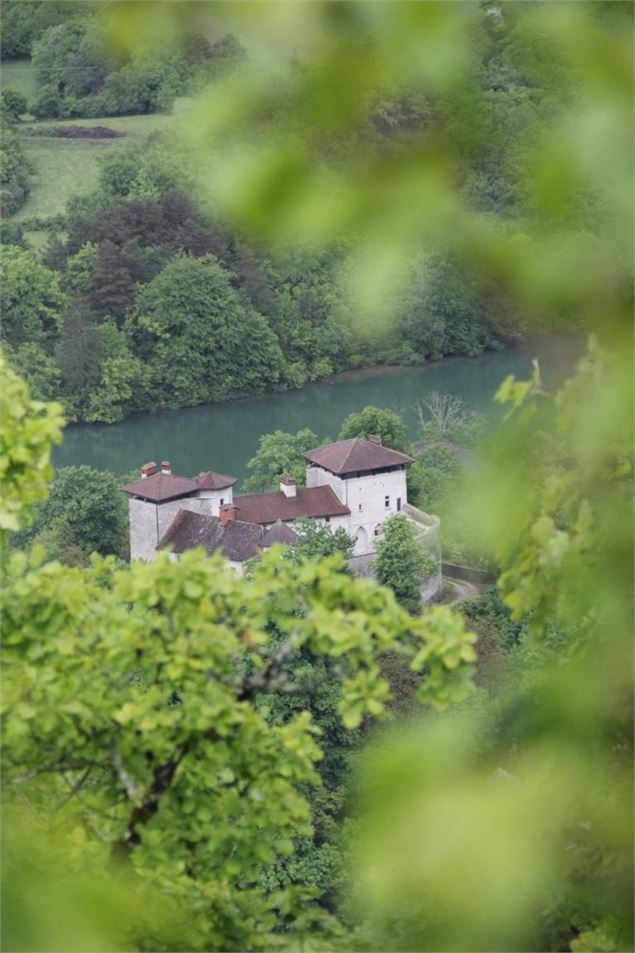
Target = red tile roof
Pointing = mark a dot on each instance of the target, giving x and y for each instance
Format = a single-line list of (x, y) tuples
[(214, 481), (356, 456), (316, 501), (161, 487)]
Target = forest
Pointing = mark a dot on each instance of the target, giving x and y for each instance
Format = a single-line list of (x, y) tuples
[(144, 272), (298, 757)]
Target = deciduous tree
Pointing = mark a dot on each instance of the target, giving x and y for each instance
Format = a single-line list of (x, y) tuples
[(203, 341), (401, 562), (31, 298), (90, 503), (279, 453), (377, 421)]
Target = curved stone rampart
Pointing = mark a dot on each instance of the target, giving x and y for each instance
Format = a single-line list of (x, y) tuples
[(428, 533), (428, 529)]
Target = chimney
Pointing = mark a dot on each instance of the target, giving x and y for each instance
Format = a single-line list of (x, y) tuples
[(166, 467), (288, 487), (148, 469), (374, 438), (227, 512)]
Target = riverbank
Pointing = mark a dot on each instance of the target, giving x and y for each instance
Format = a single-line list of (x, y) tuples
[(225, 436)]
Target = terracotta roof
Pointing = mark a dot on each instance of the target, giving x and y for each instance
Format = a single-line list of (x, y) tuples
[(214, 481), (356, 456), (278, 533), (270, 507), (241, 540), (161, 487), (236, 540)]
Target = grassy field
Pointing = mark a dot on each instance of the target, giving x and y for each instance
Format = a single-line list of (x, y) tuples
[(65, 167), (19, 76)]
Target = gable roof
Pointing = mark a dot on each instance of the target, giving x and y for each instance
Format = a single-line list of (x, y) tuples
[(278, 533), (316, 501), (161, 487), (356, 456), (214, 481), (237, 541)]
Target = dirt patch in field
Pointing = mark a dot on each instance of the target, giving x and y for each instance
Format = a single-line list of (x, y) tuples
[(86, 132)]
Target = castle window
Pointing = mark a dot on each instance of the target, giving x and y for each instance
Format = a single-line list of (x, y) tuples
[(398, 504), (386, 501), (360, 508), (221, 501), (377, 528)]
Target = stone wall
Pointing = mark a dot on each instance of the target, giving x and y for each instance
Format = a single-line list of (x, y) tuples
[(366, 497)]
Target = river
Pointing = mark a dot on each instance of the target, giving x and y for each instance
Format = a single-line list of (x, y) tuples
[(223, 437)]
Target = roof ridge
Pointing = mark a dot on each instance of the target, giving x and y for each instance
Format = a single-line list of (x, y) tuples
[(354, 441)]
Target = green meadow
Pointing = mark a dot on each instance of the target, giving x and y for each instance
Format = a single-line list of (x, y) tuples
[(19, 76), (66, 167)]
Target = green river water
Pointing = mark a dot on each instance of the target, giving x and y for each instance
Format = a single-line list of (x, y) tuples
[(223, 437)]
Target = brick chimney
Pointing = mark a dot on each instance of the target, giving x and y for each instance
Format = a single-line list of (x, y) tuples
[(288, 486), (374, 438), (166, 467), (148, 469), (227, 512)]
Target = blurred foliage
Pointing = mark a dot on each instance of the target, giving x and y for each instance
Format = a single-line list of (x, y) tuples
[(502, 133), (132, 734), (29, 428), (507, 840), (497, 139), (297, 157)]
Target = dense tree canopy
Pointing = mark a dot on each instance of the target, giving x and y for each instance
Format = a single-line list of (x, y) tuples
[(78, 75), (374, 421), (201, 340), (91, 505), (278, 454), (31, 298), (23, 23)]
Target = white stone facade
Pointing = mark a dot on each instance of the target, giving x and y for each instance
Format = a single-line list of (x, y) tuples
[(371, 498), (149, 521)]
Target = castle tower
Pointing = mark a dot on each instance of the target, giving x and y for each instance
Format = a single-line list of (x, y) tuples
[(156, 498), (368, 478)]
